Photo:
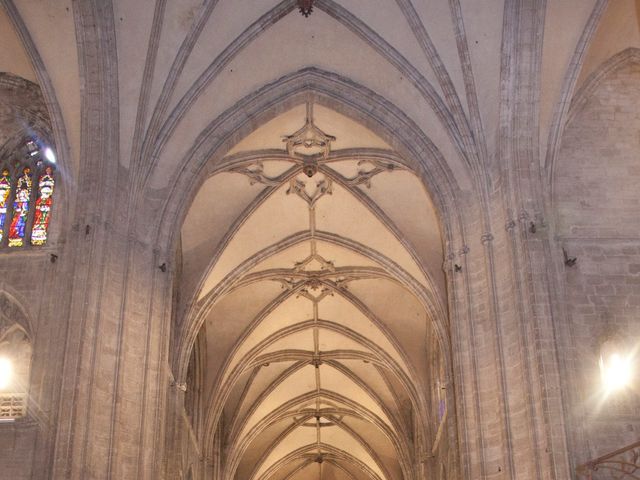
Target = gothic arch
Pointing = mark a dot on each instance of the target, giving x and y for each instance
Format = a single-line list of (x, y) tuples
[(28, 106), (328, 89), (618, 61), (571, 78), (447, 108), (46, 86), (26, 118), (414, 154)]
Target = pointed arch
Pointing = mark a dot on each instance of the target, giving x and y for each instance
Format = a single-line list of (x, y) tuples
[(327, 89), (28, 164), (205, 158), (58, 128), (620, 60)]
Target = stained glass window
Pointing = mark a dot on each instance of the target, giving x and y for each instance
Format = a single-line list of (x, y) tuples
[(5, 192), (27, 183), (20, 209), (43, 208)]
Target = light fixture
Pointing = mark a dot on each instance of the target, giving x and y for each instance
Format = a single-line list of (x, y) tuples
[(616, 364), (6, 373), (32, 148), (50, 155)]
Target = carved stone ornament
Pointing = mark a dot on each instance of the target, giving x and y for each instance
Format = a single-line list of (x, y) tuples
[(486, 238), (324, 264), (364, 176), (315, 286), (322, 188), (305, 7), (510, 225), (256, 174), (312, 287), (308, 142)]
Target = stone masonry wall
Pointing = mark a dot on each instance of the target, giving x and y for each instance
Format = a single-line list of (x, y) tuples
[(597, 203), (26, 275)]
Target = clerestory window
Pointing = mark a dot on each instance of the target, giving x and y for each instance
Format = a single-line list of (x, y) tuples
[(26, 198)]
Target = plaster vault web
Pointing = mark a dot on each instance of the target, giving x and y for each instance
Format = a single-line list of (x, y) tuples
[(316, 356)]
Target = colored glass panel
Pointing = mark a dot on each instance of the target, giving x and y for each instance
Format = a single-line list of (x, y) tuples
[(20, 209), (5, 191), (43, 208)]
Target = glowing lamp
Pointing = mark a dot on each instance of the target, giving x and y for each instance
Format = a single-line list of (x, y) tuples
[(6, 372), (49, 155), (615, 366)]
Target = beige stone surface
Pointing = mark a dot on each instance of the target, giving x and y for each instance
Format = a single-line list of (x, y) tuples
[(333, 247)]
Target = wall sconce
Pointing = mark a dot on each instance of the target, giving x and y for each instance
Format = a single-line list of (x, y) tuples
[(616, 363)]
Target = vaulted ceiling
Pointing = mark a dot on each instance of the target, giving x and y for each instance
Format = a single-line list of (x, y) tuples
[(426, 57), (319, 300), (23, 112), (319, 288)]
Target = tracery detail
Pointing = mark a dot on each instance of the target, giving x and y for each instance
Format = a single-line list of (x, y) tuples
[(26, 197)]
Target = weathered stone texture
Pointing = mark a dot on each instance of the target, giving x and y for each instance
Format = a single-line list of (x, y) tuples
[(523, 394), (596, 196), (26, 277), (598, 171)]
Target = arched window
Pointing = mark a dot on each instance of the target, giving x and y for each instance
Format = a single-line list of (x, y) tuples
[(26, 197)]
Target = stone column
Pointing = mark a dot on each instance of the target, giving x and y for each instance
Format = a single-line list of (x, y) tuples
[(110, 421)]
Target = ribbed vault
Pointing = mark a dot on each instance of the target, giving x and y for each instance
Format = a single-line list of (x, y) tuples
[(315, 255), (310, 335)]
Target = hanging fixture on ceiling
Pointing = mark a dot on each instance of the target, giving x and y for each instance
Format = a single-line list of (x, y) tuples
[(305, 7)]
